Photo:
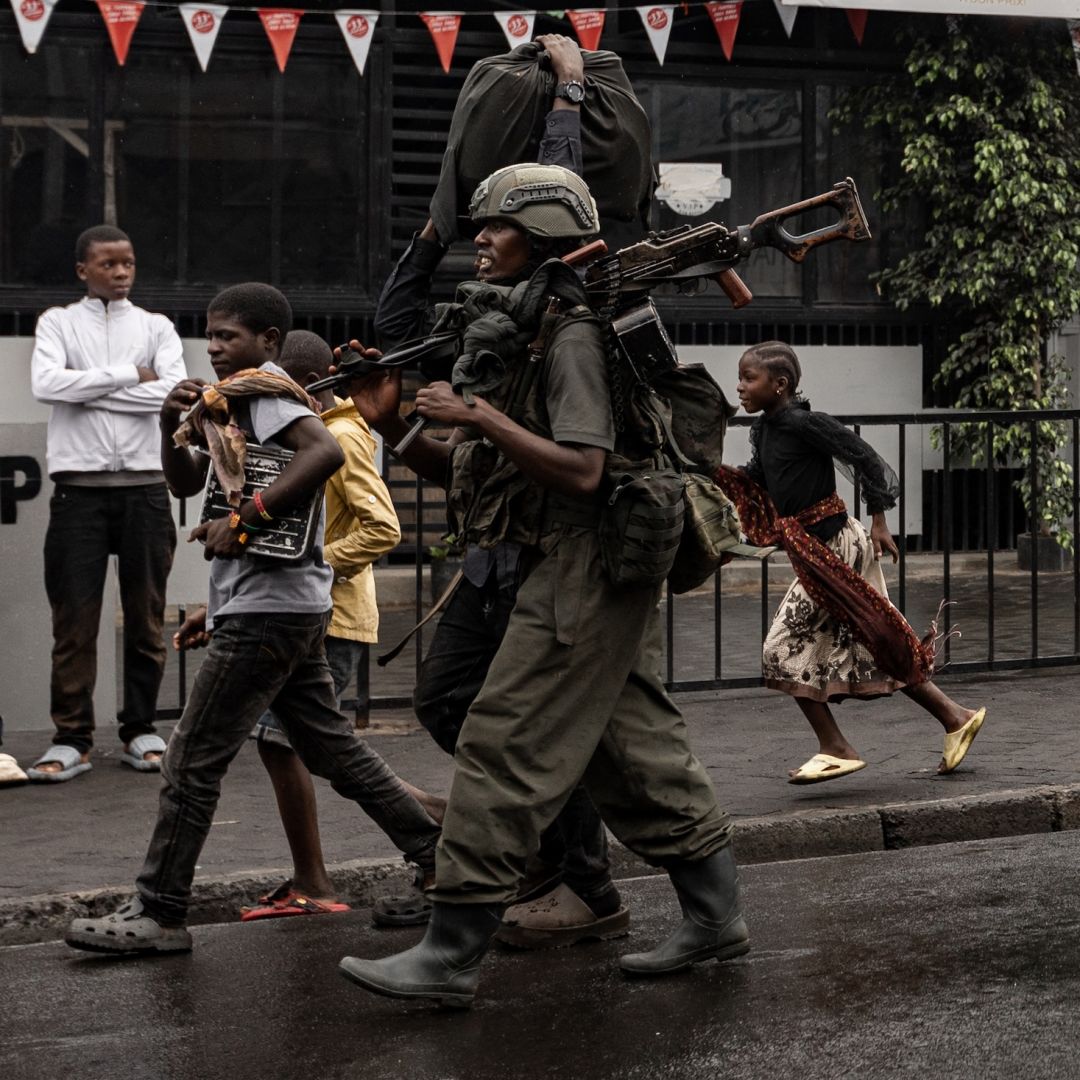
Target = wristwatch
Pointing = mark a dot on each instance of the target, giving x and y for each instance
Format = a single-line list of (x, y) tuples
[(572, 91)]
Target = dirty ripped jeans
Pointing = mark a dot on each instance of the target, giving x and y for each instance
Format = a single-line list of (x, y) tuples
[(255, 662)]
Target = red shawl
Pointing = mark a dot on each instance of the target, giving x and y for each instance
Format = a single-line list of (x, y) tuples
[(829, 581)]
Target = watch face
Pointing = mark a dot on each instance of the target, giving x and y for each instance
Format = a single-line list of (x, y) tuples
[(574, 92)]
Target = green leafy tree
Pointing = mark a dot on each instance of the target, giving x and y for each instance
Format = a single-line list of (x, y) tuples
[(986, 119)]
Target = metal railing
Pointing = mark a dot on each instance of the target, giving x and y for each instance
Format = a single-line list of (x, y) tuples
[(1059, 591), (736, 610)]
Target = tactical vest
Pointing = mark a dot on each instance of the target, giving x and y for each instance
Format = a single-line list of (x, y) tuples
[(489, 500)]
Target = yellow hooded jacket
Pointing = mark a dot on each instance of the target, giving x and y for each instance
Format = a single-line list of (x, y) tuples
[(361, 525)]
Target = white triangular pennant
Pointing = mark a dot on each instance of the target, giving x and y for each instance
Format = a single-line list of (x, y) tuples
[(788, 15), (358, 28), (203, 21), (32, 17), (516, 25), (657, 19)]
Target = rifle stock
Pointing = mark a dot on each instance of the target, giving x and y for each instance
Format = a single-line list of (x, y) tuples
[(712, 250), (768, 229)]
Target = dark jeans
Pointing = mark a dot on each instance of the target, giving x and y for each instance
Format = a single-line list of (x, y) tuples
[(86, 526), (343, 658), (465, 642), (346, 659), (257, 662)]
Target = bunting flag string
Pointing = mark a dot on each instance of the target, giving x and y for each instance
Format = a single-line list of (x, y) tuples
[(443, 27), (203, 22), (358, 28), (657, 22), (281, 25), (516, 25), (32, 16), (588, 24), (787, 15), (121, 17), (725, 17), (857, 17)]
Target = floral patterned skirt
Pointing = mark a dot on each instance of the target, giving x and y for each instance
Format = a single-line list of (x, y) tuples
[(810, 654)]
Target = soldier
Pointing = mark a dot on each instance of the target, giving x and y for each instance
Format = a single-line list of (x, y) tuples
[(575, 690)]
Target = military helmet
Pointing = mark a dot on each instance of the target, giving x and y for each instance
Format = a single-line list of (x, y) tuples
[(543, 200)]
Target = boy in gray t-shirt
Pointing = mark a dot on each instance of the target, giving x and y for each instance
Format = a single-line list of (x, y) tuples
[(246, 586), (269, 621)]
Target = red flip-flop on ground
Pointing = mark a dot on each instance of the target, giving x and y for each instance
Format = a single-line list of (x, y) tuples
[(292, 903)]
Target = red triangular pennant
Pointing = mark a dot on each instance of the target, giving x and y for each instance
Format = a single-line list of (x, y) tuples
[(588, 24), (856, 18), (121, 17), (281, 25), (725, 18), (443, 27)]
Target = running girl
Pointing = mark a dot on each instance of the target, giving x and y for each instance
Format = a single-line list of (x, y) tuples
[(835, 635)]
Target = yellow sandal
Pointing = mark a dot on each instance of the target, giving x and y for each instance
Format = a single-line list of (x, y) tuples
[(957, 743)]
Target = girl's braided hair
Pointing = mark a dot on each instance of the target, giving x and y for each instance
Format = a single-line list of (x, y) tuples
[(778, 358)]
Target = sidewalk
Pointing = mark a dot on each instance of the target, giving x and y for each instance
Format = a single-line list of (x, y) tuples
[(77, 846)]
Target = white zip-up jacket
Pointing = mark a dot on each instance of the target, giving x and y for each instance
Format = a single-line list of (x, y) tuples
[(84, 361)]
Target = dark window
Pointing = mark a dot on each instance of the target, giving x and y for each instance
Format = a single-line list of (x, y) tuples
[(234, 174), (45, 144), (755, 133)]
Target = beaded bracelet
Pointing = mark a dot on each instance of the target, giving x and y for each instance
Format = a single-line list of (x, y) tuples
[(263, 512), (240, 527)]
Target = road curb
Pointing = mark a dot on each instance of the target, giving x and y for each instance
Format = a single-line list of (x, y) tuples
[(803, 834)]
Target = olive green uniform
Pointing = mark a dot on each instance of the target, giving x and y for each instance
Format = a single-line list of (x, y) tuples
[(575, 690)]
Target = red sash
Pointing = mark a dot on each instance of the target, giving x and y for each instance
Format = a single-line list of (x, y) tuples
[(829, 581)]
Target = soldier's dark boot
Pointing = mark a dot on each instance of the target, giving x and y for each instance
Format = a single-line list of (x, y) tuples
[(712, 925), (444, 967)]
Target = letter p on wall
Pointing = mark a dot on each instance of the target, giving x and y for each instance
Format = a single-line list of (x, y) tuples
[(20, 480)]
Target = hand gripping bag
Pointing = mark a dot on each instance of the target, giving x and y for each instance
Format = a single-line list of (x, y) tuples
[(499, 121)]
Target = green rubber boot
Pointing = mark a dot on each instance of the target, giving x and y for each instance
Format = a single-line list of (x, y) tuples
[(712, 925), (444, 967)]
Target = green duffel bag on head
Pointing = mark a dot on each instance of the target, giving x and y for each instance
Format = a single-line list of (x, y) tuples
[(641, 521)]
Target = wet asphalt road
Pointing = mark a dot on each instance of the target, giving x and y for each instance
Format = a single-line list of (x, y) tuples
[(957, 961)]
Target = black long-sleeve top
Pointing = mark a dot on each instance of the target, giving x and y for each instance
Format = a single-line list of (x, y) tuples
[(794, 454)]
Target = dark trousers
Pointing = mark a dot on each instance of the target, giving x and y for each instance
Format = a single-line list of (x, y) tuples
[(86, 526), (465, 642), (574, 695), (346, 659), (256, 662)]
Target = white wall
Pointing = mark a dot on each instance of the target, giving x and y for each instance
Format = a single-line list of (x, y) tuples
[(871, 380), (24, 609), (843, 379)]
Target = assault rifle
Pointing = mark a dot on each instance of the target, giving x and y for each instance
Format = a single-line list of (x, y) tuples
[(617, 284), (689, 255)]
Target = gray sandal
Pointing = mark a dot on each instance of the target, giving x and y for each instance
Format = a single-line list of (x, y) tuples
[(410, 909), (67, 757), (141, 745), (127, 930)]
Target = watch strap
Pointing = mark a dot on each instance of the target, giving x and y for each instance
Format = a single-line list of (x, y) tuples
[(563, 90)]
